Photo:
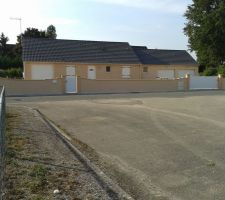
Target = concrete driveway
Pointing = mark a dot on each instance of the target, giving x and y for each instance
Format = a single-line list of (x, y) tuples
[(159, 146)]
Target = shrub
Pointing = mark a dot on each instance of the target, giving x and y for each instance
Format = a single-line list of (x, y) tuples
[(221, 70), (12, 73), (210, 72), (7, 62)]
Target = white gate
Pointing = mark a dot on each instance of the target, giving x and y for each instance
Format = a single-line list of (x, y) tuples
[(71, 79), (71, 84), (203, 83)]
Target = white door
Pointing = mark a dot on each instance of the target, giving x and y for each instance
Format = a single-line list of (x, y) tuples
[(183, 73), (91, 72), (169, 74), (42, 71), (71, 80), (125, 72)]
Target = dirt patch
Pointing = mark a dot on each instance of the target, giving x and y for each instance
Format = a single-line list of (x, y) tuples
[(39, 166)]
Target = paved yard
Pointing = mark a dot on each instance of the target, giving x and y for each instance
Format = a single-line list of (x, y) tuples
[(166, 145)]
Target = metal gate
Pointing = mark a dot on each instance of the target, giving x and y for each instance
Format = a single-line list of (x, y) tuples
[(204, 83)]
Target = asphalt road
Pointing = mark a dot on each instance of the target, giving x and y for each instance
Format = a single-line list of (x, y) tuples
[(172, 145)]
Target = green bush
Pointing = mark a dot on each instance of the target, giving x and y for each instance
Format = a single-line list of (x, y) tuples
[(210, 72), (221, 70), (6, 62), (12, 73)]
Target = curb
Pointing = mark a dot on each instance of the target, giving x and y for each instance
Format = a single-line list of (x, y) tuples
[(112, 189)]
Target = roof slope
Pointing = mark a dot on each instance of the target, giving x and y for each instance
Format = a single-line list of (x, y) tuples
[(164, 57), (55, 50)]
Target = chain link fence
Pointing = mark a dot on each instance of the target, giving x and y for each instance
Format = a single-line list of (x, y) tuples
[(2, 138)]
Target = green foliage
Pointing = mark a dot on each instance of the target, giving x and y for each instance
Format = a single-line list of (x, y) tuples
[(10, 62), (12, 73), (29, 32), (221, 70), (39, 171), (34, 33), (3, 41), (201, 68), (205, 29), (210, 72), (11, 55), (51, 32)]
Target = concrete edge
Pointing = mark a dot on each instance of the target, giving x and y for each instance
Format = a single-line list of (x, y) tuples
[(106, 182)]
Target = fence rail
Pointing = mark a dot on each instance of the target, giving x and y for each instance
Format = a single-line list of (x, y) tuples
[(2, 138)]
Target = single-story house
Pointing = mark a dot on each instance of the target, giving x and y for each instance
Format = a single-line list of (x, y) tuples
[(98, 60), (160, 63)]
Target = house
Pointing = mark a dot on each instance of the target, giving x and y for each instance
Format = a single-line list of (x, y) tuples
[(98, 60), (158, 63), (50, 58)]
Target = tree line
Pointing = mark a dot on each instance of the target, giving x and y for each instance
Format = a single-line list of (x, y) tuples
[(11, 54)]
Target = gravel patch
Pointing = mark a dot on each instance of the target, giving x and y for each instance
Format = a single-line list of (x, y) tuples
[(40, 166)]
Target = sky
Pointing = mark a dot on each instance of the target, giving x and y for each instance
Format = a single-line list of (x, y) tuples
[(153, 23)]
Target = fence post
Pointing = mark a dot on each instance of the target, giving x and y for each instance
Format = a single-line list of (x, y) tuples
[(220, 82)]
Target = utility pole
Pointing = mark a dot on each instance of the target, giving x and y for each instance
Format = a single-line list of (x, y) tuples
[(20, 20)]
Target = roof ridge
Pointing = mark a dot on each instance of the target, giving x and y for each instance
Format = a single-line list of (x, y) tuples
[(168, 49), (34, 38)]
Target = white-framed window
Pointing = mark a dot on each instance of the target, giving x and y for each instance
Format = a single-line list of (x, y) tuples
[(108, 69), (126, 72)]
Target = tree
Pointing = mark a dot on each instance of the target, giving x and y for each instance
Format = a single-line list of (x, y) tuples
[(205, 29), (13, 56), (34, 33), (29, 32), (3, 44), (51, 32)]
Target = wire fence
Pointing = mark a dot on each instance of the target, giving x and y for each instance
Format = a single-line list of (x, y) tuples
[(2, 138)]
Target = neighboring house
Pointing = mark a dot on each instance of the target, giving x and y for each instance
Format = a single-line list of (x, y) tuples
[(158, 63), (53, 58)]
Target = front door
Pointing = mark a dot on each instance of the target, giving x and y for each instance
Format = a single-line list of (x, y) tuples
[(71, 80), (91, 72)]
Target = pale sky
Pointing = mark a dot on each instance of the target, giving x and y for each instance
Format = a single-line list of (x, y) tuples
[(153, 23)]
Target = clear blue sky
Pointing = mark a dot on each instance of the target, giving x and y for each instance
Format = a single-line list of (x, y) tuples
[(155, 23)]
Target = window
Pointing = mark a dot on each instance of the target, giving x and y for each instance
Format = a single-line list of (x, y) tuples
[(145, 69), (125, 72), (108, 69)]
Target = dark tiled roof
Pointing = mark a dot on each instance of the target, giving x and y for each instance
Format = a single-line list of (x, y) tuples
[(164, 57), (54, 50)]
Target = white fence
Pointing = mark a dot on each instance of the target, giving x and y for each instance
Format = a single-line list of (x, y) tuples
[(204, 83)]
